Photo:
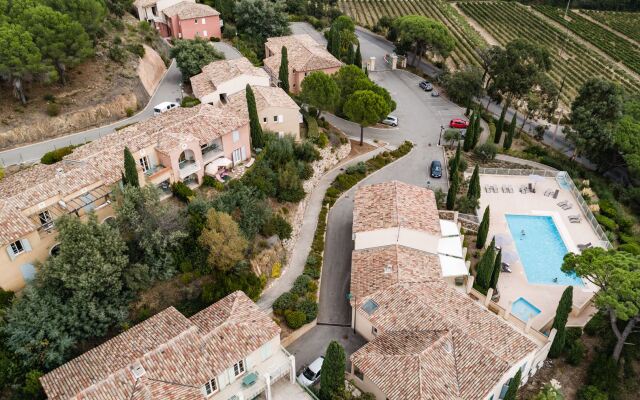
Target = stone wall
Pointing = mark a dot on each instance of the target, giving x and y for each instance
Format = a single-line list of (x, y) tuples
[(151, 69), (328, 160)]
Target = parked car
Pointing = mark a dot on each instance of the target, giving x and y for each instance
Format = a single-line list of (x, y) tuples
[(164, 107), (435, 93), (436, 169), (311, 374), (390, 120), (426, 86), (459, 123)]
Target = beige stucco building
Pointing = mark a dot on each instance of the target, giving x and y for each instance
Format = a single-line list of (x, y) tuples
[(427, 337), (176, 146), (304, 56)]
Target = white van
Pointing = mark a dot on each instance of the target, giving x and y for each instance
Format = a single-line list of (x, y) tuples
[(164, 107), (310, 375)]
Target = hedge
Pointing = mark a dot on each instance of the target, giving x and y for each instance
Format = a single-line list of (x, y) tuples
[(56, 155), (607, 222), (182, 191), (305, 285)]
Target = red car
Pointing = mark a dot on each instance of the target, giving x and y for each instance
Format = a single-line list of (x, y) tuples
[(459, 123)]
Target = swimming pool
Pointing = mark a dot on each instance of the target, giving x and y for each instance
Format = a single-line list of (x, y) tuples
[(541, 249), (524, 310)]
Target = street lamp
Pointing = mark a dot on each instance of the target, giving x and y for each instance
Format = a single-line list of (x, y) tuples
[(440, 137)]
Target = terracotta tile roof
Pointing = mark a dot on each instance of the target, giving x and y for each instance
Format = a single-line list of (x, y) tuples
[(190, 10), (304, 54), (39, 183), (376, 268), (395, 204), (266, 96), (178, 354), (144, 3), (222, 71), (485, 346)]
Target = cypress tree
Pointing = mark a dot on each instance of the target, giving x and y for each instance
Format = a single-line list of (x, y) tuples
[(452, 193), (257, 138), (483, 230), (283, 73), (474, 185), (484, 269), (512, 131), (500, 125), (350, 55), (130, 170), (455, 164), (330, 38), (476, 130), (560, 322), (358, 57), (333, 366), (336, 43), (497, 265), (468, 138), (514, 384)]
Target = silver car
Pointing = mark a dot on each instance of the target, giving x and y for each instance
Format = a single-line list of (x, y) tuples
[(390, 120)]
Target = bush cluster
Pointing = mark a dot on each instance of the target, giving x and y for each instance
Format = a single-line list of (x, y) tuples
[(182, 191), (56, 155)]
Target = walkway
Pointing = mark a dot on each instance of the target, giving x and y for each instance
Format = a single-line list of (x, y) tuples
[(522, 161), (168, 89)]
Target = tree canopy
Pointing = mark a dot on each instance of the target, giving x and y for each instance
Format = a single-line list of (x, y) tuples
[(320, 91), (20, 58), (333, 366), (192, 55), (462, 86), (617, 274), (424, 34), (261, 19), (365, 108), (223, 239)]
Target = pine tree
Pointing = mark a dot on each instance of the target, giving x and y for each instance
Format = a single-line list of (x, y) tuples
[(484, 269), (130, 169), (332, 378), (452, 193), (357, 61), (497, 265), (474, 185), (500, 125), (483, 230), (257, 138), (350, 55), (512, 131), (514, 384), (283, 73), (560, 322), (469, 136)]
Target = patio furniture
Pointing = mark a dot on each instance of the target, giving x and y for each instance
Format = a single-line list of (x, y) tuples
[(548, 192), (563, 203), (506, 267), (494, 188), (486, 188), (523, 189), (567, 206), (585, 246), (555, 194), (575, 219), (250, 379)]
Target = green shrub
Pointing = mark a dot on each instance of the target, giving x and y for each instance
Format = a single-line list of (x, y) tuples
[(486, 151), (49, 98), (633, 248), (597, 326), (306, 151), (189, 101), (312, 272), (277, 225), (214, 39), (229, 31), (624, 238), (537, 151), (32, 388), (295, 319), (6, 296), (591, 393), (53, 109), (312, 127), (309, 308), (301, 285), (333, 193), (136, 49), (129, 111), (54, 156), (182, 191), (359, 168), (572, 334), (117, 54), (576, 352), (322, 140), (603, 373), (608, 209), (286, 301), (607, 222)]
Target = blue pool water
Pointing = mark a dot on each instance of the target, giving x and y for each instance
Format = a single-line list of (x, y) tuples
[(524, 310), (541, 249)]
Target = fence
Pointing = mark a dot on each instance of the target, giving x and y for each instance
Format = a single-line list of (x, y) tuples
[(563, 179)]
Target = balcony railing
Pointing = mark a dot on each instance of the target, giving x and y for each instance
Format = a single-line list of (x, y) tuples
[(187, 167), (211, 153)]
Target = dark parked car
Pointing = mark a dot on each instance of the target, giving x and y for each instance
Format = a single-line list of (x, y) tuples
[(436, 169)]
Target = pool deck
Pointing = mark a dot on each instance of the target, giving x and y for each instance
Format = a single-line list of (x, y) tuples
[(513, 285)]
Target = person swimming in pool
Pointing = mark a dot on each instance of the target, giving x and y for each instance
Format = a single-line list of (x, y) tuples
[(522, 234)]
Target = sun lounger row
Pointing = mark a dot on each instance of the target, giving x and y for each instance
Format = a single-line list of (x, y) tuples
[(575, 219), (565, 205)]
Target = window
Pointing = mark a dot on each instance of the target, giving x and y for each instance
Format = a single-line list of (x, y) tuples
[(144, 163), (275, 118), (358, 373), (45, 219), (238, 368), (264, 119), (211, 387), (280, 118), (204, 33), (196, 20), (17, 248), (203, 21), (236, 136)]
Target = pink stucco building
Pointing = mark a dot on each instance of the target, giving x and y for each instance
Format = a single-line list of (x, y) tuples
[(182, 19)]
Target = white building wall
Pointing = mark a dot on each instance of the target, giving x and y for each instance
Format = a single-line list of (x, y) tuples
[(267, 350), (233, 86), (402, 236)]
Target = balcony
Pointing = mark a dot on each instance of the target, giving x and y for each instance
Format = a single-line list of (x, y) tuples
[(187, 167), (212, 152)]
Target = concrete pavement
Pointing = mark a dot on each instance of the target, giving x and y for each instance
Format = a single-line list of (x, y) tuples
[(168, 90), (230, 52)]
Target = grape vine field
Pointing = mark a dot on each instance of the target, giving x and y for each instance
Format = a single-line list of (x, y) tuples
[(611, 44), (627, 23), (506, 21), (368, 12)]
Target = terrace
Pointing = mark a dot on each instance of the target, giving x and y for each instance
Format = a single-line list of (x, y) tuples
[(534, 253)]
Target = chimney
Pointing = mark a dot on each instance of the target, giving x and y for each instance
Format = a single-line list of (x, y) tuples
[(388, 269)]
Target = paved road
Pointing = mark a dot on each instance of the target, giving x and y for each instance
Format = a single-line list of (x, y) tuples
[(168, 90), (228, 50)]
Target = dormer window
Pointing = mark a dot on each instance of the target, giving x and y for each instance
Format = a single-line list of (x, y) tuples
[(45, 219), (210, 387)]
